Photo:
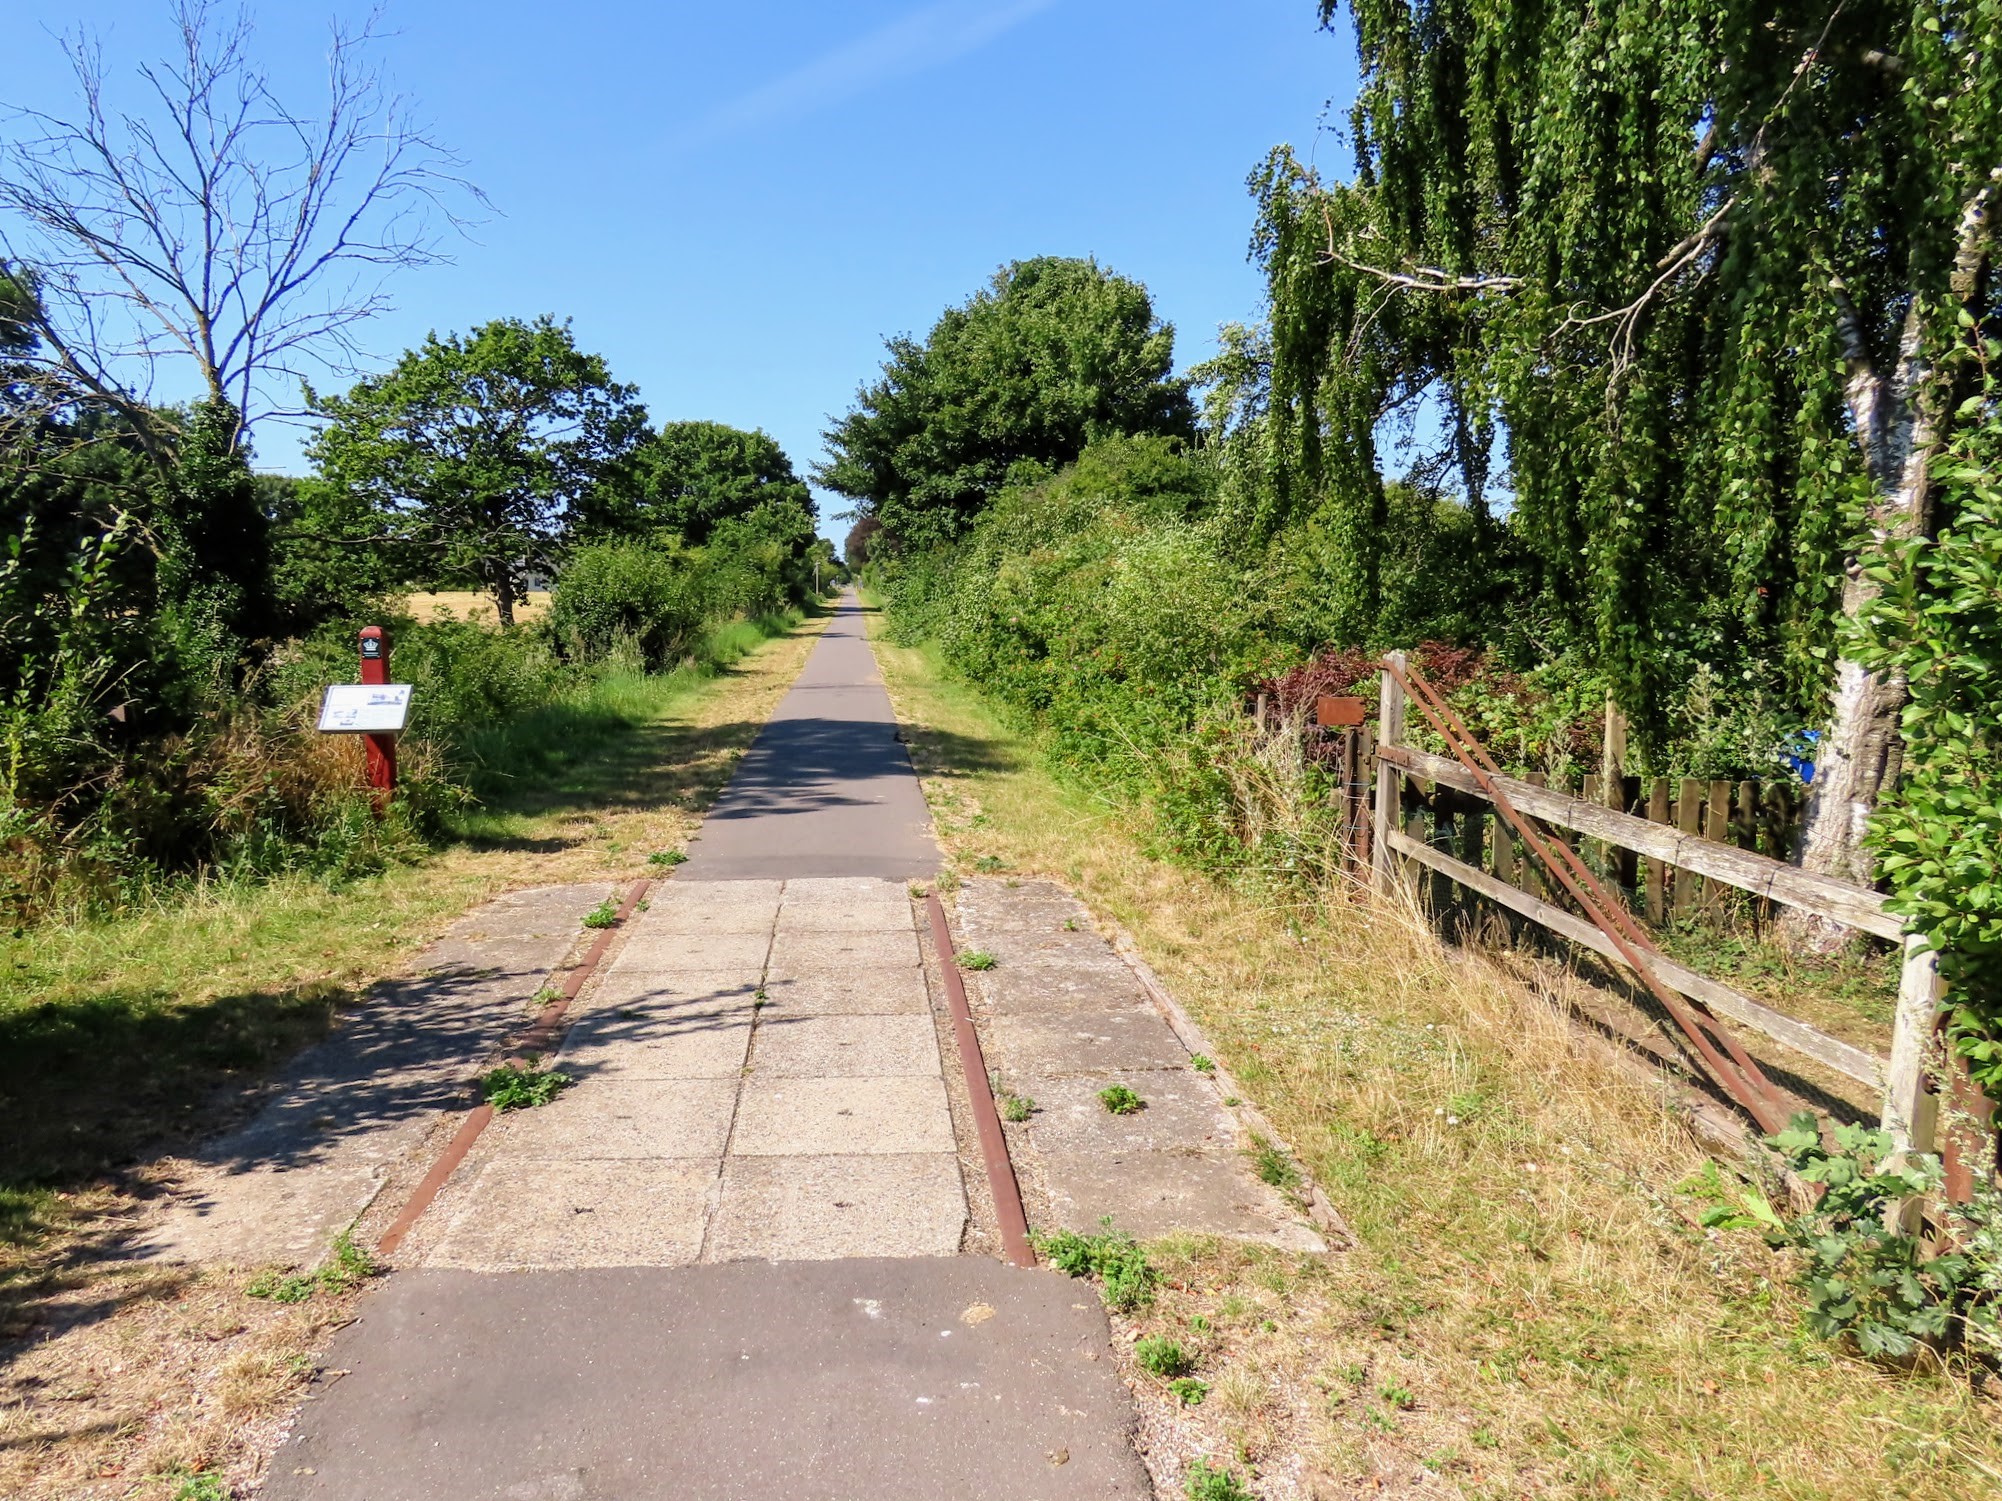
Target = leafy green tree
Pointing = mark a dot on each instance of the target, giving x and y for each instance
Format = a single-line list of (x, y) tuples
[(691, 475), (475, 449), (1051, 356), (1719, 274)]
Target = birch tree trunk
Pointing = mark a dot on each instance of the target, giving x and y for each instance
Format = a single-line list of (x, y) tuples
[(1899, 421)]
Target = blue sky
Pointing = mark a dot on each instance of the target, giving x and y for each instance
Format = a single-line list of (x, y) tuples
[(736, 204)]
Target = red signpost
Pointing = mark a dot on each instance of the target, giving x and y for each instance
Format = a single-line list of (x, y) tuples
[(380, 749)]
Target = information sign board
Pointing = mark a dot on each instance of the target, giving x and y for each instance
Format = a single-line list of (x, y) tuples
[(365, 709)]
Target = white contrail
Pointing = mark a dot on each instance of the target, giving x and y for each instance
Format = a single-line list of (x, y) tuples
[(924, 39)]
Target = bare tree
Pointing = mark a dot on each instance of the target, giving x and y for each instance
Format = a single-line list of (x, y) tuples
[(214, 227)]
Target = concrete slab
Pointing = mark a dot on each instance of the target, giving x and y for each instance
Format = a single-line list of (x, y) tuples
[(1084, 1039), (741, 954), (677, 1042), (1083, 950), (860, 992), (807, 1381), (1161, 1193), (806, 1047), (522, 1215), (779, 1117), (602, 1118), (820, 1208), (795, 954), (842, 888), (650, 989), (1066, 1018), (995, 907), (711, 908), (345, 1113), (845, 906), (1027, 988), (1182, 1111)]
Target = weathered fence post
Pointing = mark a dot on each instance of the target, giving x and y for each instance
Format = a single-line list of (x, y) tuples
[(1910, 1109), (1389, 785)]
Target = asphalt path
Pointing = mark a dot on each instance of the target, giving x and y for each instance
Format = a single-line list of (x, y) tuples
[(827, 788)]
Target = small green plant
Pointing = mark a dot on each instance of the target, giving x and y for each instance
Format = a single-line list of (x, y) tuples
[(1274, 1166), (347, 1266), (1232, 1101), (1017, 1107), (1126, 1278), (1198, 1324), (1206, 1484), (545, 995), (668, 857), (976, 959), (604, 915), (1382, 1422), (1160, 1356), (988, 864), (1485, 1438), (1885, 1291), (510, 1088), (1189, 1391), (201, 1485), (1397, 1396), (1120, 1100), (1070, 924), (1202, 1063), (281, 1287)]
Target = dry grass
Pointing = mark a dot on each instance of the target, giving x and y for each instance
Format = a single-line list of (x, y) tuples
[(120, 1381), (1526, 1272), (467, 604)]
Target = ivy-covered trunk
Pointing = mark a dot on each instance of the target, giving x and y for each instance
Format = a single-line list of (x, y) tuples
[(1900, 420)]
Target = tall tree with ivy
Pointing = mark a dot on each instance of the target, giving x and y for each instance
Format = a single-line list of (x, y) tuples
[(1718, 275)]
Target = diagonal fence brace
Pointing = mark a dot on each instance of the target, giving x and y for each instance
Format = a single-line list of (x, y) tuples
[(1722, 1055)]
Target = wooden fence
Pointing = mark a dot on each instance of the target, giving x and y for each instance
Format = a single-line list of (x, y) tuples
[(1698, 840)]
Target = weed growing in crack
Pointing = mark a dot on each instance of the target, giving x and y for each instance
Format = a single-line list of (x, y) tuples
[(1202, 1063), (976, 959), (1126, 1278), (1017, 1107), (510, 1088), (604, 915), (1120, 1100), (1274, 1166), (668, 857)]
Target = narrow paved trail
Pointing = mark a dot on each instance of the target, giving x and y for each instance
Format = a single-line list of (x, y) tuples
[(729, 1260)]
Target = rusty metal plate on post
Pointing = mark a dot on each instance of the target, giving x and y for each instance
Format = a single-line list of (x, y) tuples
[(1332, 712)]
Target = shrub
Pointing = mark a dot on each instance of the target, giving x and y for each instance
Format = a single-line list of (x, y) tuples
[(1867, 1283), (653, 598)]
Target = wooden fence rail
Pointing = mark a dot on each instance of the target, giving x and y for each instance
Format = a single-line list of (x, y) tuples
[(1694, 833)]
